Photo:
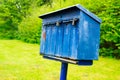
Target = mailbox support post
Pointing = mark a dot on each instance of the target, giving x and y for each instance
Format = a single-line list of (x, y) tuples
[(63, 74)]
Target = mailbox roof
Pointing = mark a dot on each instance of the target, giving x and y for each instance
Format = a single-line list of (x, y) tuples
[(75, 6)]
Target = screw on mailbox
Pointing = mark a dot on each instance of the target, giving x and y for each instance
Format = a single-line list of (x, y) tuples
[(57, 23)]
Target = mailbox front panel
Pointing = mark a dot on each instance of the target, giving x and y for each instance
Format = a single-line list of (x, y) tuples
[(61, 40)]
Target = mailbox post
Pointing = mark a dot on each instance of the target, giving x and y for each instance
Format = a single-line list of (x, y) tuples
[(70, 35), (63, 74)]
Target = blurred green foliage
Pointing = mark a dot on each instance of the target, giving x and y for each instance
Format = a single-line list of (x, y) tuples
[(19, 20)]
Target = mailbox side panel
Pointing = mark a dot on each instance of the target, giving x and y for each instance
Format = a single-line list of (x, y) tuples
[(89, 36)]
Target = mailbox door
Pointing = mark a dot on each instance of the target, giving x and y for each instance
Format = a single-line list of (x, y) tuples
[(48, 40), (66, 39), (53, 39), (59, 40), (70, 39), (74, 39), (43, 39)]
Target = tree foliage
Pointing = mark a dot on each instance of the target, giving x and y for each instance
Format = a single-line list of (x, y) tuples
[(11, 14), (110, 30), (19, 19), (42, 2)]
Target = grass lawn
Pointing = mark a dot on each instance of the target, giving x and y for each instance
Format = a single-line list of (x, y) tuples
[(21, 61)]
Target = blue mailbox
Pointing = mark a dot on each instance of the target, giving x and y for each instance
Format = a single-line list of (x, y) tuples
[(70, 33)]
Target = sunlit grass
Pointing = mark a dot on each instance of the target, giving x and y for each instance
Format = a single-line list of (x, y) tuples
[(21, 61)]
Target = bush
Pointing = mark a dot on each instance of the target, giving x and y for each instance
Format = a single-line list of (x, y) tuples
[(30, 29)]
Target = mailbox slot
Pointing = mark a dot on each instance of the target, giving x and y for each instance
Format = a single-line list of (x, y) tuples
[(73, 21)]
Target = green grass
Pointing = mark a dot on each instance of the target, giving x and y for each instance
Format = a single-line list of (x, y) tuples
[(21, 61)]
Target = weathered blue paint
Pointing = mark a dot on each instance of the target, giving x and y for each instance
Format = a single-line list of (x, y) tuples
[(48, 40), (43, 40), (66, 40), (53, 40), (74, 41), (77, 40), (89, 36), (59, 41)]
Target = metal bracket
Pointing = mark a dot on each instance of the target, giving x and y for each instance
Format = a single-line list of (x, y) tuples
[(66, 60), (73, 21)]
